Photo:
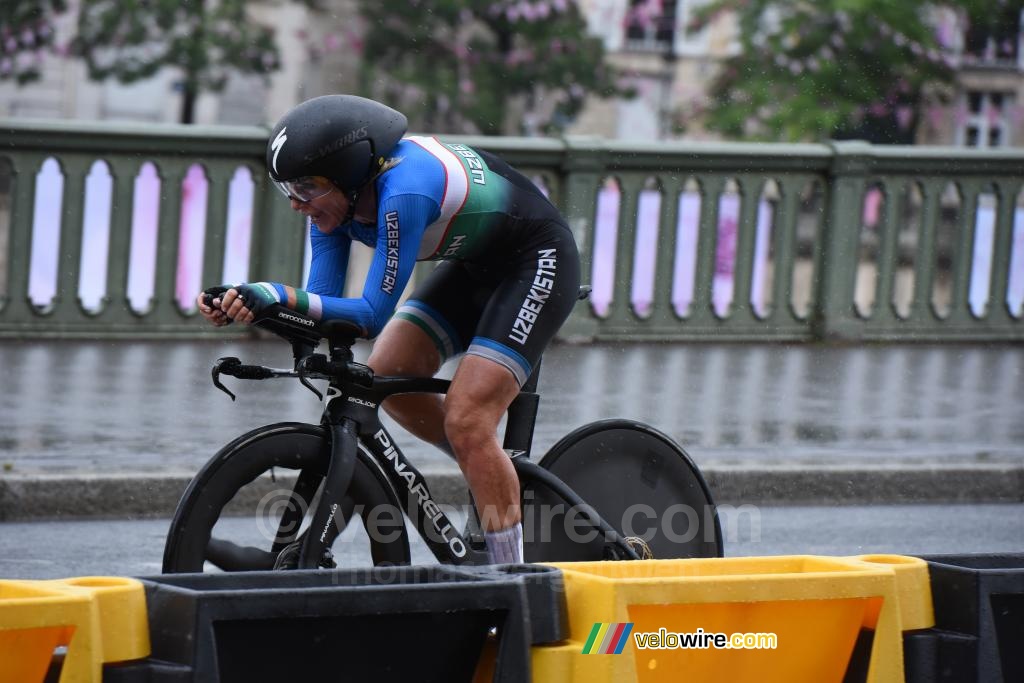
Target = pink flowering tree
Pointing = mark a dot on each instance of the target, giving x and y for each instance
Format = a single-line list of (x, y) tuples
[(483, 66), (205, 40), (26, 35), (872, 69)]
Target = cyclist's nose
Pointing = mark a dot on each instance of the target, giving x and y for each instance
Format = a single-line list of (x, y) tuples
[(296, 204)]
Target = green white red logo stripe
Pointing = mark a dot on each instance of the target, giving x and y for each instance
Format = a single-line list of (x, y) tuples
[(456, 190), (304, 302)]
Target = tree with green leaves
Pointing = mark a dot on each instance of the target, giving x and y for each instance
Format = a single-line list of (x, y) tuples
[(26, 34), (205, 40), (468, 66), (840, 68)]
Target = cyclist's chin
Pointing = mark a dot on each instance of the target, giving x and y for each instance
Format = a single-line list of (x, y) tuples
[(324, 222)]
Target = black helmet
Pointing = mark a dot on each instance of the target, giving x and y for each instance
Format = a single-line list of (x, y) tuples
[(341, 137)]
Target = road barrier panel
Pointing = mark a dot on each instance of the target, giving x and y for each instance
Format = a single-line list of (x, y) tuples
[(832, 618), (866, 618), (97, 620), (979, 621), (424, 623)]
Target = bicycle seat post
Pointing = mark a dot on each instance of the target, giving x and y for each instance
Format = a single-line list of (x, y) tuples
[(522, 417)]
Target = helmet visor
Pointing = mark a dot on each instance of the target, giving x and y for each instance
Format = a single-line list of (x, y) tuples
[(306, 188)]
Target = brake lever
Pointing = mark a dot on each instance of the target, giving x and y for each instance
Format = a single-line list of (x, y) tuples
[(303, 365), (229, 361)]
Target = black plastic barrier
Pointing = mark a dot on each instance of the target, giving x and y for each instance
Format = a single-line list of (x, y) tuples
[(424, 623), (979, 622)]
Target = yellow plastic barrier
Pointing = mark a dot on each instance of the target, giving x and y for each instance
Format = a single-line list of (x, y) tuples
[(98, 619), (816, 607)]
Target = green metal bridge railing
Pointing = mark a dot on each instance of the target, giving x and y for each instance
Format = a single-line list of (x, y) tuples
[(734, 241)]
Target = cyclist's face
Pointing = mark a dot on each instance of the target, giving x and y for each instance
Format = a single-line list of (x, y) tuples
[(327, 211)]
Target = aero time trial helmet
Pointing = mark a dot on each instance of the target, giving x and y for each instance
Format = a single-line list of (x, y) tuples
[(343, 138)]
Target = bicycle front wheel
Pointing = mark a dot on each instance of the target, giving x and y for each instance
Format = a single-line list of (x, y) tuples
[(637, 479), (270, 477)]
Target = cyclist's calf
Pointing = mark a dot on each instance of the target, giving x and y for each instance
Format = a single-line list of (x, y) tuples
[(479, 395)]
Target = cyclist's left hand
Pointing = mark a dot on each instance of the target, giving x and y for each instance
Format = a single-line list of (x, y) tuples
[(234, 306), (244, 302)]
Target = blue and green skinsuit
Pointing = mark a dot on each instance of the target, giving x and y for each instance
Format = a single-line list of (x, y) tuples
[(511, 273)]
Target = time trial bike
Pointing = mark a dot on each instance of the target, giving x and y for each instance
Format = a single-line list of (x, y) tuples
[(613, 489)]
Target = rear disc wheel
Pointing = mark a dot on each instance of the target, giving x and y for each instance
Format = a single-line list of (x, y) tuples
[(638, 480)]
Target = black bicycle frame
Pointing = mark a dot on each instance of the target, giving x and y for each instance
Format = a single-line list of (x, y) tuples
[(351, 412)]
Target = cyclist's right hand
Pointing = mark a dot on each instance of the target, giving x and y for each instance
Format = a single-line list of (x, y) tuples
[(209, 301)]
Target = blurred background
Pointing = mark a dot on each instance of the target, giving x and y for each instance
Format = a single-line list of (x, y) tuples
[(908, 72), (640, 71)]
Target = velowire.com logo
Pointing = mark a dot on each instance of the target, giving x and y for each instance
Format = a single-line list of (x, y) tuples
[(607, 639)]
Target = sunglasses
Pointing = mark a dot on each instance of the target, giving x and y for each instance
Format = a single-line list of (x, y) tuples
[(306, 188)]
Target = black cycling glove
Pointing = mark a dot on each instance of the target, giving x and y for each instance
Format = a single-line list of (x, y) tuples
[(258, 295), (211, 293)]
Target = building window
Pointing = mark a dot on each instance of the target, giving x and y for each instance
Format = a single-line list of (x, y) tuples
[(985, 121), (997, 43), (651, 23), (661, 25)]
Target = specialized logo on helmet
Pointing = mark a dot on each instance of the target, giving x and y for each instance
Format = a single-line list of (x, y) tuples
[(343, 141), (277, 144)]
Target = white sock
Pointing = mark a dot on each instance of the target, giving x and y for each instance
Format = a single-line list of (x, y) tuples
[(505, 546)]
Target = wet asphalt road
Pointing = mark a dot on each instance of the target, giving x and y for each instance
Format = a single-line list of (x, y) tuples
[(46, 550), (137, 406), (113, 407)]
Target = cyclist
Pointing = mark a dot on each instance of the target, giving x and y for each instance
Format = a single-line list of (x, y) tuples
[(508, 279)]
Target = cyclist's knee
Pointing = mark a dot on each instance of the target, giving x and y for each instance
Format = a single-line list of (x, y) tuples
[(479, 396), (465, 431)]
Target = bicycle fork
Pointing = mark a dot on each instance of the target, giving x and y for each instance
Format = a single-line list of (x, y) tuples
[(326, 525)]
